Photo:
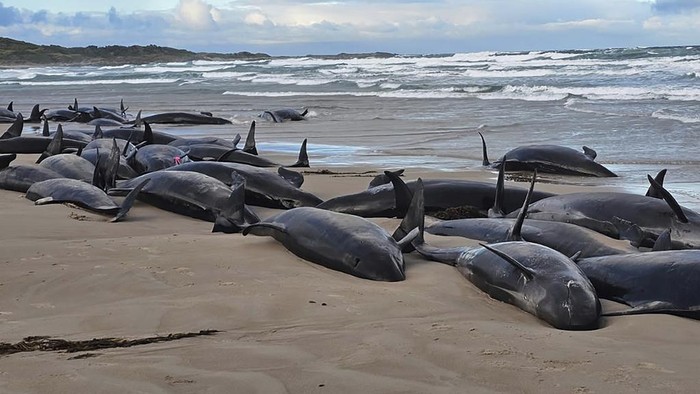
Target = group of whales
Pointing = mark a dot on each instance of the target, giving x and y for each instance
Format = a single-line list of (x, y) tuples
[(551, 255), (102, 116)]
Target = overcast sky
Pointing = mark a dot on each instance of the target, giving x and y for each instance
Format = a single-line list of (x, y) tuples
[(298, 27)]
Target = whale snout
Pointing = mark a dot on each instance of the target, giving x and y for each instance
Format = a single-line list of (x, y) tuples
[(575, 307)]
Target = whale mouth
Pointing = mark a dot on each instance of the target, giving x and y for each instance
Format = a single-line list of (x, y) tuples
[(580, 314), (567, 303)]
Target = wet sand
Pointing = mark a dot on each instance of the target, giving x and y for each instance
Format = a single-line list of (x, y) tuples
[(288, 325)]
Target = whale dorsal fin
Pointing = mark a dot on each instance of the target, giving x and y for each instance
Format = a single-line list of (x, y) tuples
[(75, 105), (659, 178), (6, 159), (98, 179), (514, 233), (529, 272), (45, 130), (575, 256), (137, 120), (497, 210), (36, 113), (236, 140), (306, 111), (98, 133), (485, 155), (303, 160), (54, 147), (249, 146), (147, 134), (663, 242), (121, 108), (672, 203), (15, 130), (589, 152), (111, 168), (9, 107), (231, 218)]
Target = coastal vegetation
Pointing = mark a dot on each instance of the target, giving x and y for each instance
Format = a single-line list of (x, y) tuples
[(14, 52)]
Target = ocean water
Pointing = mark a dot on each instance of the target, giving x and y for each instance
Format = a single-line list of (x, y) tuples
[(639, 108)]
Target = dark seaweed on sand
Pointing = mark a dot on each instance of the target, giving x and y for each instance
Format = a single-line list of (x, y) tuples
[(48, 344)]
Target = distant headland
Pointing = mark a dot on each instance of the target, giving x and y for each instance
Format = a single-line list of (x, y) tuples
[(20, 53), (14, 52)]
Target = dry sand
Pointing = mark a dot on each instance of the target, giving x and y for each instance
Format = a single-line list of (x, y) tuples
[(288, 325)]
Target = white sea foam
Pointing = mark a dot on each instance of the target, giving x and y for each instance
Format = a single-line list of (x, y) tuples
[(144, 81), (673, 115)]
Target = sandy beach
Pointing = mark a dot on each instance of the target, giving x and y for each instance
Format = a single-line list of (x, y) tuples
[(287, 325)]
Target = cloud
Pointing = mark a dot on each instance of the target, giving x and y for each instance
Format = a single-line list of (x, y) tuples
[(9, 15), (113, 17), (196, 14), (407, 26), (675, 6), (256, 18)]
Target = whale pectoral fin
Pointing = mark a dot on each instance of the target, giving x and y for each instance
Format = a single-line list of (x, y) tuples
[(514, 234), (497, 210), (266, 229), (383, 179), (6, 159), (119, 191), (191, 202), (129, 201), (657, 307), (529, 272), (296, 179), (45, 200), (407, 241), (414, 216), (402, 194), (224, 157), (659, 178), (672, 203), (589, 152)]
